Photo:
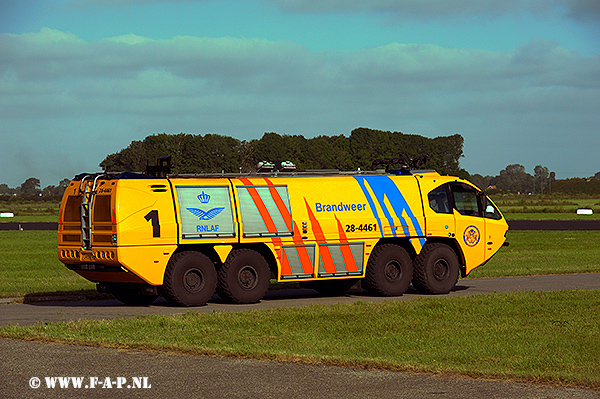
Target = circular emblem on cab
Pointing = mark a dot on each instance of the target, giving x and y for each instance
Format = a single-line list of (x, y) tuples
[(471, 236)]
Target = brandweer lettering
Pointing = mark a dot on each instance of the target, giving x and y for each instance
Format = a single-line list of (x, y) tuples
[(341, 207)]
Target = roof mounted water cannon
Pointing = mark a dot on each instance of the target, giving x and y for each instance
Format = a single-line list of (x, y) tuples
[(277, 166), (405, 162), (162, 167)]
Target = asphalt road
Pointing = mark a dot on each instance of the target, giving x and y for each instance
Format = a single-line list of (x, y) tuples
[(25, 364), (186, 376), (47, 311)]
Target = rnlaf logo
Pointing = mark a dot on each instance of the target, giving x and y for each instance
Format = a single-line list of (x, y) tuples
[(471, 236), (204, 198), (205, 215)]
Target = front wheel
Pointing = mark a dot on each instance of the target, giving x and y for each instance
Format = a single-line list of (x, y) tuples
[(244, 277), (436, 269), (190, 279), (389, 270)]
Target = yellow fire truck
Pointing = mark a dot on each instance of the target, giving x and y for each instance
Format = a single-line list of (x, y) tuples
[(187, 237)]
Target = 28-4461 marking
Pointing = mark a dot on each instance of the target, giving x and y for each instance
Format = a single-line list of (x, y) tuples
[(351, 228)]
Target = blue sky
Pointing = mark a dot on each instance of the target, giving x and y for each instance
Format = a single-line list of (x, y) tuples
[(80, 79)]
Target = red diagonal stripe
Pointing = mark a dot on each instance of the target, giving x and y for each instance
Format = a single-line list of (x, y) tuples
[(347, 254), (320, 237), (307, 265), (283, 209), (260, 205)]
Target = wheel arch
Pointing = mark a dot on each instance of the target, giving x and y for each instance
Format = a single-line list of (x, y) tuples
[(457, 250), (265, 251), (209, 250), (404, 242), (206, 249)]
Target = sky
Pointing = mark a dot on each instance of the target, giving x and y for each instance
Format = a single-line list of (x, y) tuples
[(81, 79)]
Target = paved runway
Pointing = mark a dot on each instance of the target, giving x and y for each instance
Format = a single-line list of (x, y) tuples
[(187, 376), (32, 313)]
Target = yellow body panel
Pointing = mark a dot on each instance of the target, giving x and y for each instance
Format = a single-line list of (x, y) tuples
[(315, 227), (143, 213), (147, 262)]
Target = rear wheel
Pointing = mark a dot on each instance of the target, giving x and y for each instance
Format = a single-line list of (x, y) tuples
[(190, 279), (244, 277), (389, 270), (436, 269)]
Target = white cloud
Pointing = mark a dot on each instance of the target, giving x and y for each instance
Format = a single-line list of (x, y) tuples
[(586, 10), (128, 87)]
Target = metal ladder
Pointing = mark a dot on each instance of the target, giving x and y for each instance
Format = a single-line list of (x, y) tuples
[(89, 191)]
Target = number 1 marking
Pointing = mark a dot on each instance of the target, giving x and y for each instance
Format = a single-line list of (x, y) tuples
[(153, 215)]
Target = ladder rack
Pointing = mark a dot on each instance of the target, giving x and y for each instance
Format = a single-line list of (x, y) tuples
[(88, 190)]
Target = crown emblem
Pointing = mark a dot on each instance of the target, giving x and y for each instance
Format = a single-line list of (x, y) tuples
[(204, 198)]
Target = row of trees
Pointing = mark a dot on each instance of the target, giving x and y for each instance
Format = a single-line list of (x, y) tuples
[(31, 188), (364, 148), (514, 178), (216, 153)]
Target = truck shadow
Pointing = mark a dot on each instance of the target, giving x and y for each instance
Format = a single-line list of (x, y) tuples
[(92, 298)]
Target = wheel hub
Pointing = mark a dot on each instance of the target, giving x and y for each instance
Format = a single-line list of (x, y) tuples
[(393, 271), (193, 280), (248, 277), (441, 270)]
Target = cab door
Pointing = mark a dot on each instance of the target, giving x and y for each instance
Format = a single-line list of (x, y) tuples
[(469, 223), (495, 228)]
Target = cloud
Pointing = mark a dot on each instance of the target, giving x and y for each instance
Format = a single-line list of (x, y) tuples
[(55, 73), (583, 10), (576, 9), (55, 86)]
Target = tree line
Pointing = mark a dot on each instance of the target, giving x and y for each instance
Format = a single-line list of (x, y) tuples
[(216, 153), (514, 178), (31, 188), (364, 148)]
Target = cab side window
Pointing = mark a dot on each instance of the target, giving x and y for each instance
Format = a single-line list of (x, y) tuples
[(491, 212), (465, 200), (439, 200)]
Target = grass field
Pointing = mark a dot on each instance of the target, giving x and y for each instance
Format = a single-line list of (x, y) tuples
[(513, 206), (544, 337), (544, 252), (546, 207), (30, 211), (29, 262)]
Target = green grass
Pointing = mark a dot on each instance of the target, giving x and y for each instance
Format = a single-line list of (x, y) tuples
[(549, 216), (544, 337), (550, 337), (31, 218), (29, 264), (547, 207), (544, 252), (28, 208)]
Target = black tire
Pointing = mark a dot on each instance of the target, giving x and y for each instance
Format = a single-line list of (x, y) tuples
[(330, 287), (244, 277), (190, 279), (132, 296), (436, 269), (389, 271)]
